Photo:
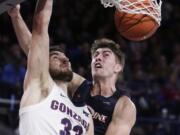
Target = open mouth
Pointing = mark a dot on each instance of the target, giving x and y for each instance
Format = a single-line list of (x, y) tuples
[(98, 65), (65, 65)]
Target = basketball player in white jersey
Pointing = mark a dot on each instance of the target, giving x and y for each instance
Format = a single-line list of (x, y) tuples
[(124, 114), (45, 108)]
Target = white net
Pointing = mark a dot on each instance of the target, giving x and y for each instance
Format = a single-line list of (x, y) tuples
[(147, 7)]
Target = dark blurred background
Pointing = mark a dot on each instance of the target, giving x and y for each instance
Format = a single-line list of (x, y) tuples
[(152, 70)]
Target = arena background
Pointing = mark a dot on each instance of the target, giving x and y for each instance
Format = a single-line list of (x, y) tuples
[(152, 69)]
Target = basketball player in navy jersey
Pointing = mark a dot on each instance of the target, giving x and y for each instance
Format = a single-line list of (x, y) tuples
[(45, 107), (113, 111)]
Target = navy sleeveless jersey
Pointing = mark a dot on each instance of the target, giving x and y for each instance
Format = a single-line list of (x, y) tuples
[(100, 107)]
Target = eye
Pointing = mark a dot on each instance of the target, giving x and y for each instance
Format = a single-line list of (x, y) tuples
[(95, 55), (105, 54), (55, 57)]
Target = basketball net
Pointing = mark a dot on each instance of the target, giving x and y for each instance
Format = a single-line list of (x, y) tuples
[(146, 7)]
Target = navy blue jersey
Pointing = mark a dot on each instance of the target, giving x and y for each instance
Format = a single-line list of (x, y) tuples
[(100, 107)]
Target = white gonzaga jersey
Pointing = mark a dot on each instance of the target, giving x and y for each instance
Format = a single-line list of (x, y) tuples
[(55, 115)]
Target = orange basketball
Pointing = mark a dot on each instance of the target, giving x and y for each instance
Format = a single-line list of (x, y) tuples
[(135, 27)]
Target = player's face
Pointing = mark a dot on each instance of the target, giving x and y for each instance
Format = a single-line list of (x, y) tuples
[(59, 66), (104, 63)]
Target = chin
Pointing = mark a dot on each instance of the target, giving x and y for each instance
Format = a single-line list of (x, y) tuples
[(62, 75), (96, 76)]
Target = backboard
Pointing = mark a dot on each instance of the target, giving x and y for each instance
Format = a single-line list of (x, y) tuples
[(7, 4)]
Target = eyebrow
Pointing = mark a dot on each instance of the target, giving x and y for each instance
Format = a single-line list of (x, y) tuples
[(104, 51), (53, 53), (107, 51)]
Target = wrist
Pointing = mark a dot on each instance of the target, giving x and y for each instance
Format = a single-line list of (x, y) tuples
[(16, 16)]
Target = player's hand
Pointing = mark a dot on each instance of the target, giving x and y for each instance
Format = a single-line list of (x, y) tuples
[(14, 11)]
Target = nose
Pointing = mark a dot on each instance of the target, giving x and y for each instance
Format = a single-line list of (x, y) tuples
[(65, 60), (98, 58)]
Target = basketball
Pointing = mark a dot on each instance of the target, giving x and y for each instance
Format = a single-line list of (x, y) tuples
[(135, 27)]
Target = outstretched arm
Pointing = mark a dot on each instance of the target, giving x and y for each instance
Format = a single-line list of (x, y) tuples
[(123, 119), (22, 32), (24, 38), (38, 56)]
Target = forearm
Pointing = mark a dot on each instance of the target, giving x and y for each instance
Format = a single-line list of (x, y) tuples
[(22, 32), (91, 127), (76, 81), (39, 49), (42, 16), (118, 131)]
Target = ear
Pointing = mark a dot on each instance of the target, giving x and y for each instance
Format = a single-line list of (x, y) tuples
[(117, 68)]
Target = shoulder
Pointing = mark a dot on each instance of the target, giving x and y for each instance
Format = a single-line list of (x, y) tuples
[(82, 92), (125, 110), (76, 81), (124, 117), (85, 84), (124, 103), (84, 88)]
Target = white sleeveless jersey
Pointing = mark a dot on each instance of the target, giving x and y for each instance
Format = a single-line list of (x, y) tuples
[(55, 115)]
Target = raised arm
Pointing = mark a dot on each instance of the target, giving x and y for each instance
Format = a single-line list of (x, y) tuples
[(123, 119), (22, 32), (24, 38), (38, 56)]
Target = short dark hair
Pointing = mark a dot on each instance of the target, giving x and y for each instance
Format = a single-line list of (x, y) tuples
[(114, 47), (56, 48)]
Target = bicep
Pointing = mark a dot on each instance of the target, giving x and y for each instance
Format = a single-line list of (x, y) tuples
[(38, 57), (118, 128), (123, 118)]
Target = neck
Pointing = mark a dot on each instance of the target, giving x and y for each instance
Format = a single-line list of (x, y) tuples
[(104, 87), (62, 84)]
